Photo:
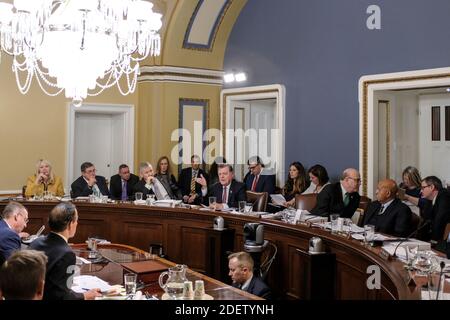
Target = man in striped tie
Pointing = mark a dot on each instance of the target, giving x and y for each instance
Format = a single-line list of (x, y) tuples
[(193, 182)]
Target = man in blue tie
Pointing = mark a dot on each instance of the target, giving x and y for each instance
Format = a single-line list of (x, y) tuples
[(122, 184)]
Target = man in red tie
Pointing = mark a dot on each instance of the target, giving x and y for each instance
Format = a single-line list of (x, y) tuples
[(228, 191), (258, 179)]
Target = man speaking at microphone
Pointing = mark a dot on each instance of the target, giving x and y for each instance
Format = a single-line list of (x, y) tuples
[(389, 214), (228, 191)]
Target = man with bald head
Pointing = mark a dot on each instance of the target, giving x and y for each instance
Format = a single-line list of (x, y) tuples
[(341, 197), (389, 214)]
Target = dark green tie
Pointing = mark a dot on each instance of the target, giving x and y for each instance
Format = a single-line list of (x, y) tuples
[(346, 199)]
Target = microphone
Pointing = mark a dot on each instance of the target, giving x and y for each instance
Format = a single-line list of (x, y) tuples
[(427, 222), (442, 265)]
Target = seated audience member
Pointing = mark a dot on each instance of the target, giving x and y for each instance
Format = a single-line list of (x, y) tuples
[(228, 192), (213, 171), (63, 221), (388, 214), (341, 197), (193, 182), (318, 176), (411, 185), (121, 185), (44, 180), (258, 179), (295, 184), (22, 276), (436, 211), (241, 272), (89, 183), (149, 184), (165, 176), (15, 218)]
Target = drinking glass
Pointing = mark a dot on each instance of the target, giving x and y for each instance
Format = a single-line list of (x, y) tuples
[(138, 196), (130, 283), (248, 207), (369, 233), (212, 202), (334, 219), (242, 205), (423, 263), (435, 285)]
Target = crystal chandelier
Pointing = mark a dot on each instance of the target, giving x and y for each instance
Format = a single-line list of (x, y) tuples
[(79, 46)]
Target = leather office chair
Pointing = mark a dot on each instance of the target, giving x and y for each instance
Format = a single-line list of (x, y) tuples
[(259, 200), (447, 231), (267, 258), (364, 203), (415, 223), (306, 201)]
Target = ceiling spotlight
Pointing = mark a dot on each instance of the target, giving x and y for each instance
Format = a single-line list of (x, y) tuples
[(240, 77), (448, 89), (229, 77)]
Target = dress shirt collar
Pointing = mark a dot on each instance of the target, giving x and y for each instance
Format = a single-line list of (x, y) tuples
[(246, 283), (434, 200), (343, 191), (385, 205)]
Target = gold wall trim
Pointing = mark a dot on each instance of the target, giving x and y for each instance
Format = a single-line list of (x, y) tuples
[(388, 135), (216, 28), (365, 111)]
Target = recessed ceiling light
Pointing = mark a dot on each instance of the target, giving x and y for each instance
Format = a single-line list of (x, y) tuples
[(448, 89), (229, 77), (240, 77)]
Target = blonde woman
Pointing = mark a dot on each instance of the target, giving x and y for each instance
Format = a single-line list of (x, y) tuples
[(44, 180)]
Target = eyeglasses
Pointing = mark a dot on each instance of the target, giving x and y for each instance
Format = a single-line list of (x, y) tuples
[(252, 167), (357, 180), (24, 219), (424, 187)]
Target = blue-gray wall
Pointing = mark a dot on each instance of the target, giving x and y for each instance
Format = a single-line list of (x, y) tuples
[(319, 49)]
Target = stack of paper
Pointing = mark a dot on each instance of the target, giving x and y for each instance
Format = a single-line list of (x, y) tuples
[(84, 283)]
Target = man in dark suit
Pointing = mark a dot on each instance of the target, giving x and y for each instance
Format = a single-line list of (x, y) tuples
[(149, 184), (241, 265), (228, 192), (388, 214), (15, 218), (437, 210), (193, 182), (89, 183), (341, 197), (121, 185), (257, 179), (63, 221), (23, 276)]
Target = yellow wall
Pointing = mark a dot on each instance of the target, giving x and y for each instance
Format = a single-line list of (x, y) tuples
[(34, 126), (158, 111)]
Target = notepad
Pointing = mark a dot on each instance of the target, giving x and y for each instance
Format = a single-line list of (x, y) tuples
[(147, 266)]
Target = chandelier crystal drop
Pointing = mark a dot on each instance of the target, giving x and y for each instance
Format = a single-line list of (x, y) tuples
[(79, 46)]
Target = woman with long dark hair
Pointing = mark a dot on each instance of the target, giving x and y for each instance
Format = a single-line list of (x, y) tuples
[(295, 184)]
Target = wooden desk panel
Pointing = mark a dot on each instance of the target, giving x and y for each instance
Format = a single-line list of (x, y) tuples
[(182, 232)]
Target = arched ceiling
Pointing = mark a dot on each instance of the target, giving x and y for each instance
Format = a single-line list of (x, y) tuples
[(195, 32)]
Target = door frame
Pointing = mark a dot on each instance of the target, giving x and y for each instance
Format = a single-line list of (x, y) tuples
[(274, 91), (99, 108), (368, 85)]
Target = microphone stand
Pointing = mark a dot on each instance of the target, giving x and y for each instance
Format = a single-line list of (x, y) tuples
[(442, 265), (409, 236)]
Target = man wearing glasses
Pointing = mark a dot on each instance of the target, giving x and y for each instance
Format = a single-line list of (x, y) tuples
[(341, 197), (437, 210), (15, 219), (89, 183), (257, 179)]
